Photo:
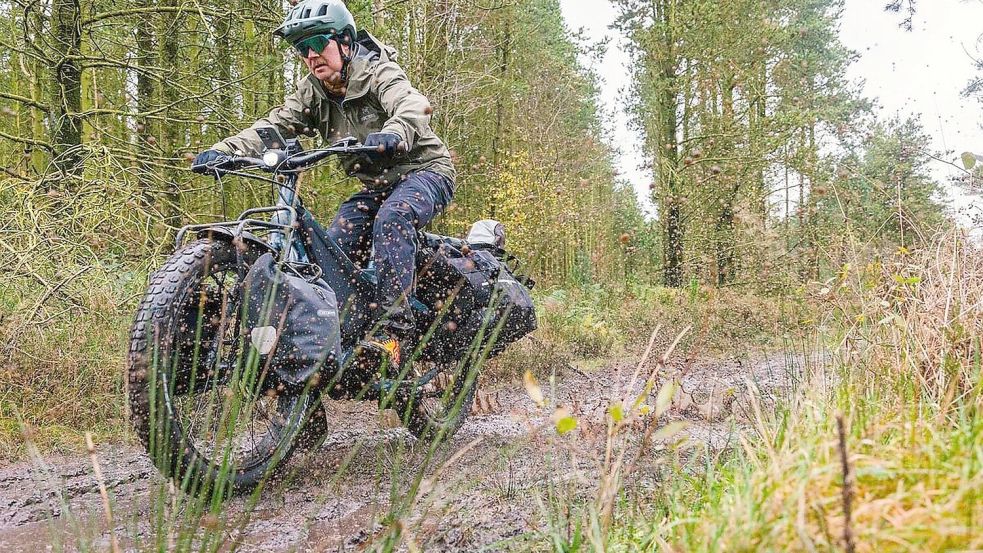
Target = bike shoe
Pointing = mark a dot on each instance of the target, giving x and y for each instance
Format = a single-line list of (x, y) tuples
[(386, 347)]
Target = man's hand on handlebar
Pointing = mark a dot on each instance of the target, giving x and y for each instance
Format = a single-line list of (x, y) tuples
[(386, 142), (203, 160)]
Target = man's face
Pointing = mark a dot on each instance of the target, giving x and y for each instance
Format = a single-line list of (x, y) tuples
[(327, 64)]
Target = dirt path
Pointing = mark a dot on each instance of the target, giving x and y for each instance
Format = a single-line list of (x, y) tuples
[(495, 495)]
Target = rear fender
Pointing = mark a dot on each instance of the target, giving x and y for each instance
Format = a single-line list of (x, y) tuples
[(228, 235)]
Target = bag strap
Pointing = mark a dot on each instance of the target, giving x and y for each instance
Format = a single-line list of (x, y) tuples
[(307, 271)]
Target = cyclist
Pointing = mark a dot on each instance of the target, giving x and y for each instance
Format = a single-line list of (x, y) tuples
[(355, 88)]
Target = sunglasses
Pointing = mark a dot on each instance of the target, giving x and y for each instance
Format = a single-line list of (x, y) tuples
[(317, 43)]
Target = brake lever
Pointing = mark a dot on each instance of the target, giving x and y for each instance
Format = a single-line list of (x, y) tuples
[(346, 142)]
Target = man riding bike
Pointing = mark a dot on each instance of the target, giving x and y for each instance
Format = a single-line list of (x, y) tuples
[(355, 88)]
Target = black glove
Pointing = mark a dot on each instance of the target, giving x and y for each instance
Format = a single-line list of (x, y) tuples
[(387, 142), (199, 165)]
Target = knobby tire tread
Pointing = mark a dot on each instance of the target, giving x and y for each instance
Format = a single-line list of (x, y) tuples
[(180, 275)]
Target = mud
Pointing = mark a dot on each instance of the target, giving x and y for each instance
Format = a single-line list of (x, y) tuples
[(505, 482)]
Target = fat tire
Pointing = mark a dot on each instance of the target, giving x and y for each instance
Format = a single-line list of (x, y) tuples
[(157, 315), (426, 429)]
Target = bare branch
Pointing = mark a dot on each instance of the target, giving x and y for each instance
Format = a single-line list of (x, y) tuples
[(31, 141), (25, 101)]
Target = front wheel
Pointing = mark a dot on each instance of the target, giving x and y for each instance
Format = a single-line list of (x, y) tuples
[(198, 400)]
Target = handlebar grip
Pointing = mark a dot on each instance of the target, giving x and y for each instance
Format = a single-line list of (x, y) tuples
[(226, 163)]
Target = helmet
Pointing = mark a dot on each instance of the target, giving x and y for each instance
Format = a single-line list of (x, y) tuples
[(317, 17)]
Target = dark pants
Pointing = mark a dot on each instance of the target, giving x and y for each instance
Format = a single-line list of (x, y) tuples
[(389, 220)]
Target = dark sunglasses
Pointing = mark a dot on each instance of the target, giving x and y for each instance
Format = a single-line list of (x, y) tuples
[(317, 43)]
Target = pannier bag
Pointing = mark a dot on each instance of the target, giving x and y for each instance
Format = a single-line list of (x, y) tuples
[(511, 314), (291, 321), (490, 304)]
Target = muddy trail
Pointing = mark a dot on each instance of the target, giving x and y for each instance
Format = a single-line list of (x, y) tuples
[(500, 484)]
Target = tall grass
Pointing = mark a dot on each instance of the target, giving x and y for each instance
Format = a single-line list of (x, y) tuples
[(907, 384)]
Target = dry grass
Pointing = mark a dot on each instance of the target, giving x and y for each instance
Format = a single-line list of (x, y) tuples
[(908, 385), (919, 317), (61, 363), (600, 321)]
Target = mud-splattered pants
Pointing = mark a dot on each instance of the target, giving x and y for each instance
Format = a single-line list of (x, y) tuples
[(383, 224)]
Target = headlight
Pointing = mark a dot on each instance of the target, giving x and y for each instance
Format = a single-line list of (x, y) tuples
[(271, 159)]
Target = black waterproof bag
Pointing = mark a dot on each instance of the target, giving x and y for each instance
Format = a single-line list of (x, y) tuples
[(510, 315), (479, 298), (291, 322)]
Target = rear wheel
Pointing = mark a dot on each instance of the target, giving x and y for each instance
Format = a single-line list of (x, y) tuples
[(198, 400), (438, 409)]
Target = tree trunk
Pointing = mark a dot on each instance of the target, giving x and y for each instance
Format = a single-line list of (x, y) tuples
[(65, 87), (170, 128), (250, 105), (724, 229), (667, 148), (378, 15), (725, 243), (223, 32), (145, 100), (756, 139), (504, 44)]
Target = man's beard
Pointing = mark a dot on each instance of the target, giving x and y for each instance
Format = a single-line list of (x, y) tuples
[(334, 84)]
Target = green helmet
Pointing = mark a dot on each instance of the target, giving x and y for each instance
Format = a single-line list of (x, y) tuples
[(317, 17)]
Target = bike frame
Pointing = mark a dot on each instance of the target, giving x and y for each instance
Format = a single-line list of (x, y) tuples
[(296, 237)]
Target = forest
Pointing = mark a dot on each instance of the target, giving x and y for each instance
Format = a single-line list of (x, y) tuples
[(783, 353)]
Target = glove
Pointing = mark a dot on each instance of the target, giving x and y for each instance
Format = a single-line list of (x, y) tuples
[(387, 142), (203, 159)]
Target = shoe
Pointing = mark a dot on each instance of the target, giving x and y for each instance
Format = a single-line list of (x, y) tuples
[(385, 345)]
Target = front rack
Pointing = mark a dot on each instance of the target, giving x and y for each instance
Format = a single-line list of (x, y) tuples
[(245, 223)]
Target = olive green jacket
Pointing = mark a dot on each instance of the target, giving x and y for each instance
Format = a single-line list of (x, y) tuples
[(379, 99)]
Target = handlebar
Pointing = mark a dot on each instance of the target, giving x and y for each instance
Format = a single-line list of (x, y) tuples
[(303, 160), (285, 163)]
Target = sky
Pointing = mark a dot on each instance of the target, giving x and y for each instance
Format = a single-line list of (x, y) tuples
[(920, 72)]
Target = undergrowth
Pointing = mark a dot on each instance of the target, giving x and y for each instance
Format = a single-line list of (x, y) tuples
[(600, 322), (62, 358), (906, 382)]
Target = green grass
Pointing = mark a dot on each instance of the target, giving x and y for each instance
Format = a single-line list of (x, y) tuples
[(908, 385), (918, 483)]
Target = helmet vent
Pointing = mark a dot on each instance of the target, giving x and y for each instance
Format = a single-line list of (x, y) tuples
[(323, 10)]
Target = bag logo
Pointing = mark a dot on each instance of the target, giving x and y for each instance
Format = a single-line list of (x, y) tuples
[(263, 339)]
